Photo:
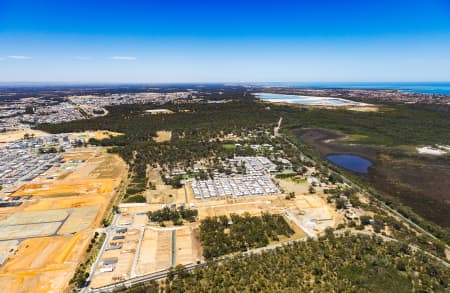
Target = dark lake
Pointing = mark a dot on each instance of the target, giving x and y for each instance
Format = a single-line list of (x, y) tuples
[(353, 163)]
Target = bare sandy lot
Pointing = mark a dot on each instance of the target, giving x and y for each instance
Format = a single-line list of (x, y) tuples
[(66, 209), (156, 251), (290, 186), (13, 135), (163, 193), (188, 247), (163, 135)]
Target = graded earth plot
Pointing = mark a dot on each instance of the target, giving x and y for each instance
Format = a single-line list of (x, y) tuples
[(54, 229), (42, 264), (163, 193), (80, 219), (309, 214), (35, 217), (156, 251), (188, 248), (28, 230), (6, 248), (162, 136), (252, 208), (160, 249)]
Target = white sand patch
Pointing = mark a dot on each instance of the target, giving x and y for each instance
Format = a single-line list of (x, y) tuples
[(431, 151)]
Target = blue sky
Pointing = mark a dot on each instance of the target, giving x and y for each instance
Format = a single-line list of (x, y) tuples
[(224, 41)]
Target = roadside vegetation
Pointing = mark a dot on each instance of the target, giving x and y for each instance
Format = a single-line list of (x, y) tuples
[(332, 264), (82, 273), (177, 216), (223, 235)]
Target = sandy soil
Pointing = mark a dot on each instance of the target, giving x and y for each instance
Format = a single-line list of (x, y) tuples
[(290, 186), (188, 247), (163, 193), (159, 111), (10, 136), (99, 134), (162, 136), (364, 108), (46, 264), (156, 251)]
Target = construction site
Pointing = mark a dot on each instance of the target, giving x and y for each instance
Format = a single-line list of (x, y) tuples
[(43, 240), (136, 247)]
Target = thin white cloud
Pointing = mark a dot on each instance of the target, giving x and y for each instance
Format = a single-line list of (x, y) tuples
[(19, 57), (1, 58), (83, 58), (126, 58)]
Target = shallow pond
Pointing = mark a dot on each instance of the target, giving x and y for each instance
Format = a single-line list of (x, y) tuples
[(350, 162), (307, 100)]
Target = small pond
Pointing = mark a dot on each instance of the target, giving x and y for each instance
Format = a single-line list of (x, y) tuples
[(350, 162)]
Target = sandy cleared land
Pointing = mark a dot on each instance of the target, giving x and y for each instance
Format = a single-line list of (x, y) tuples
[(140, 220), (163, 135), (159, 111), (364, 109), (156, 251), (67, 209), (309, 209), (42, 264), (290, 186), (28, 230), (99, 134), (35, 217), (163, 193), (188, 247), (80, 219), (13, 135), (254, 209)]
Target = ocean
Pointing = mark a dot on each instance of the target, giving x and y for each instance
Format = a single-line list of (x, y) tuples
[(414, 87)]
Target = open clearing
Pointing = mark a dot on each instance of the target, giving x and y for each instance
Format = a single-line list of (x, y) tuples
[(9, 136), (54, 228), (163, 135), (163, 193), (156, 251), (188, 248)]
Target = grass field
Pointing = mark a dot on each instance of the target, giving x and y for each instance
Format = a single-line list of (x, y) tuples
[(229, 146)]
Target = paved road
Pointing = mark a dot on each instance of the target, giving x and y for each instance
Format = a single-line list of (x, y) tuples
[(137, 253), (108, 231)]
